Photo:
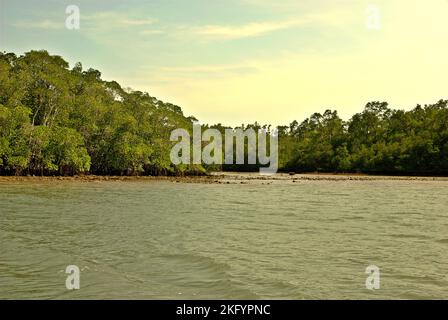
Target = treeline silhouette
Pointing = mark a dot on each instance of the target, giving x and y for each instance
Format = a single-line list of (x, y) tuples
[(54, 120), (60, 121), (378, 140)]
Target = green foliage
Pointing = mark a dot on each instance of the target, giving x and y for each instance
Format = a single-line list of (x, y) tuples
[(68, 151), (377, 140), (54, 120)]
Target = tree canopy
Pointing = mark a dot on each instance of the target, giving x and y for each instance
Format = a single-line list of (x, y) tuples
[(377, 140), (57, 120), (54, 120)]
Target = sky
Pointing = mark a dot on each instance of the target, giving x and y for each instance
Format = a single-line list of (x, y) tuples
[(241, 61)]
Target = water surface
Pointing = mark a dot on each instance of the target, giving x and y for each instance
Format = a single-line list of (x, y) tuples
[(164, 240)]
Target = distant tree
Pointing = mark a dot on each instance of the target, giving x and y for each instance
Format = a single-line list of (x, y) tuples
[(54, 120)]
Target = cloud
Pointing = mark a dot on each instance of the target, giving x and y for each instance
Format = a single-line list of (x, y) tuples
[(101, 21), (255, 29), (245, 31), (115, 19), (46, 24), (105, 23), (208, 71), (151, 32), (137, 22)]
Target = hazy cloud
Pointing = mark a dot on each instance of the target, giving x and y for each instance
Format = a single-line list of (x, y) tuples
[(101, 21), (254, 29), (244, 31), (46, 24), (115, 19)]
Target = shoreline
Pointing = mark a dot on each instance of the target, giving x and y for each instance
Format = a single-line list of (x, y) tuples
[(224, 178)]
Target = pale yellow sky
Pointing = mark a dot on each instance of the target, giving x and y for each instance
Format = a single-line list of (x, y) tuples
[(404, 62), (240, 61)]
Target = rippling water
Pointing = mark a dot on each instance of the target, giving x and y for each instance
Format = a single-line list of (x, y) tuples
[(161, 240)]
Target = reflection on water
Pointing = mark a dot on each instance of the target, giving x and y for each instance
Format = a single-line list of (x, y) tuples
[(160, 240)]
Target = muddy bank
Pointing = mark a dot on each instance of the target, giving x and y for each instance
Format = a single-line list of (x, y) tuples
[(93, 178), (224, 178), (317, 176), (284, 178)]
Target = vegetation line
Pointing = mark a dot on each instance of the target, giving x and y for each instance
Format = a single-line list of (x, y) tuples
[(60, 121)]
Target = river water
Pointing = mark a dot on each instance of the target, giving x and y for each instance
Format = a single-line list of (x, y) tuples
[(164, 240)]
